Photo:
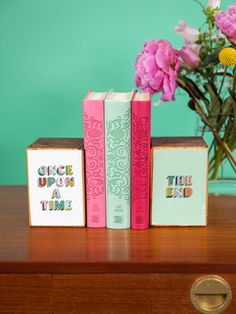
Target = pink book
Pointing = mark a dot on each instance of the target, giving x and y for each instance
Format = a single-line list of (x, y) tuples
[(93, 115), (140, 160)]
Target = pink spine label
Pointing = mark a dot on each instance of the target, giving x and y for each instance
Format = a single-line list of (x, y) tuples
[(140, 163), (94, 162)]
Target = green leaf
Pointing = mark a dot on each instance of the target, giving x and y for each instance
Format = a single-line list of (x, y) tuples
[(211, 60), (203, 118), (199, 94), (193, 87), (184, 83), (215, 104), (203, 53), (232, 137), (227, 107)]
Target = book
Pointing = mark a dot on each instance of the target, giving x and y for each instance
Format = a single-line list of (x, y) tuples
[(179, 194), (140, 160), (118, 165), (94, 145), (56, 193)]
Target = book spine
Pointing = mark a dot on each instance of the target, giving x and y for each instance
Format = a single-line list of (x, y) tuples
[(140, 163), (93, 114), (117, 144)]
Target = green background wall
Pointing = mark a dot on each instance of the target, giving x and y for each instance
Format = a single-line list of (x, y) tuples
[(53, 51)]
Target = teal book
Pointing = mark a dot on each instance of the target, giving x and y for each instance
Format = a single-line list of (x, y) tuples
[(118, 159)]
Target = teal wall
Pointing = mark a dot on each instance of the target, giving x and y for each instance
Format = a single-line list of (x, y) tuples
[(53, 51)]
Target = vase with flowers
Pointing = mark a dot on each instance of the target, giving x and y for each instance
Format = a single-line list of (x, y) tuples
[(205, 67)]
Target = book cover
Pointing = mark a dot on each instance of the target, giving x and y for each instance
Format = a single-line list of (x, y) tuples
[(118, 151), (179, 183), (94, 145), (140, 160), (56, 193)]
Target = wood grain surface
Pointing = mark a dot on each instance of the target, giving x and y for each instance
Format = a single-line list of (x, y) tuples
[(128, 293), (101, 293), (25, 294), (58, 250), (81, 270), (177, 141), (57, 143)]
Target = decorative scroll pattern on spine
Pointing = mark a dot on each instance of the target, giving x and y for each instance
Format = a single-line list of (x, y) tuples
[(94, 152), (118, 156), (140, 153)]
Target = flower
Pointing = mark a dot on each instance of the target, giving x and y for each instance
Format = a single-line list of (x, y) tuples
[(190, 54), (213, 4), (227, 56), (156, 69), (226, 22), (189, 33), (195, 68)]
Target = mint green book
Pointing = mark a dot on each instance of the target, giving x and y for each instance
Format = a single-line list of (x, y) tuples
[(118, 159)]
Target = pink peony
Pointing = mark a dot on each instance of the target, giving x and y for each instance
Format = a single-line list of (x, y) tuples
[(190, 54), (189, 33), (213, 4), (226, 22), (156, 69)]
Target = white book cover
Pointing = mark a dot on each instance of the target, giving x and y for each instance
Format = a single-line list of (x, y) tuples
[(56, 187)]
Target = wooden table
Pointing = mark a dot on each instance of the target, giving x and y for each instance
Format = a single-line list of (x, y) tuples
[(81, 270)]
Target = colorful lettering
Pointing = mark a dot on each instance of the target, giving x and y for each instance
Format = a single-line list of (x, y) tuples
[(52, 170), (44, 204), (178, 192), (68, 205), (179, 180), (170, 180), (69, 171), (178, 189), (56, 194), (188, 180), (42, 170), (59, 205), (51, 205), (70, 181), (188, 192), (169, 192), (61, 170), (42, 182), (60, 182), (51, 181)]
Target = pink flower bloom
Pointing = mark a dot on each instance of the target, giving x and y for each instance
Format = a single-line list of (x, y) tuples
[(226, 22), (189, 33), (156, 69), (214, 4), (190, 54)]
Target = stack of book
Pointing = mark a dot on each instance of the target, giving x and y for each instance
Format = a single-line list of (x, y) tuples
[(107, 178), (117, 159)]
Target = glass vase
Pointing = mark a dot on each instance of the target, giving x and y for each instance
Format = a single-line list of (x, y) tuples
[(224, 182)]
